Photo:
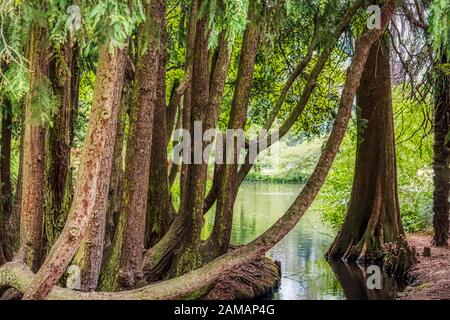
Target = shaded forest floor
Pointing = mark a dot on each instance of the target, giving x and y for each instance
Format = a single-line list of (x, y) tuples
[(431, 276)]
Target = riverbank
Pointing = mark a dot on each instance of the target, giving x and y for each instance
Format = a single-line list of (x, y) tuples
[(431, 276)]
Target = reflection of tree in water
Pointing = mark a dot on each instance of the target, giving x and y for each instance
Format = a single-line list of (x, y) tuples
[(316, 280), (352, 279)]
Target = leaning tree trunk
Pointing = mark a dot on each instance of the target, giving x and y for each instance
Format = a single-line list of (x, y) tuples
[(124, 265), (189, 256), (90, 253), (221, 234), (441, 158), (58, 191), (117, 170), (101, 123), (33, 166), (373, 216)]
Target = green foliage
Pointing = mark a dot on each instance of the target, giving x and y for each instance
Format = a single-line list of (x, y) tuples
[(14, 83), (335, 194), (440, 26), (113, 21), (13, 65), (290, 160), (44, 104), (87, 82), (228, 16)]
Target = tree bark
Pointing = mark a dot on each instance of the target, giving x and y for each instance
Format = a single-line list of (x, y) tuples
[(136, 182), (189, 255), (187, 98), (58, 191), (90, 253), (102, 122), (32, 200), (211, 84), (5, 180), (373, 216), (221, 234), (117, 170), (159, 211), (5, 159), (441, 158)]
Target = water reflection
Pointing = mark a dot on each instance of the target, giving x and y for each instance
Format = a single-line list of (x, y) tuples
[(353, 282), (306, 274)]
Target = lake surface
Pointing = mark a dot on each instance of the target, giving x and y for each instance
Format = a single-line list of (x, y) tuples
[(306, 274)]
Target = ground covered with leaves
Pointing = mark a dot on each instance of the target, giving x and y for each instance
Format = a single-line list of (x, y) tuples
[(431, 276)]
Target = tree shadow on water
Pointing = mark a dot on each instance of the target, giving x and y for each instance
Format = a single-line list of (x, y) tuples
[(353, 280)]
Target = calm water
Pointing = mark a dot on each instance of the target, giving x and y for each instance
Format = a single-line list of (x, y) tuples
[(306, 274)]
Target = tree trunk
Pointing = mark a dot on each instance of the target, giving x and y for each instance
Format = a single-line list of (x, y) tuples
[(207, 92), (441, 158), (187, 98), (221, 234), (117, 170), (129, 239), (5, 159), (189, 255), (90, 253), (58, 143), (159, 211), (373, 216), (5, 180), (32, 200), (103, 120)]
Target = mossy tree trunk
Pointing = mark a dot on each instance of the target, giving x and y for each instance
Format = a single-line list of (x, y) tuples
[(221, 234), (160, 211), (117, 170), (208, 83), (441, 158), (33, 162), (373, 216), (59, 138), (189, 255), (90, 253), (102, 123), (124, 265)]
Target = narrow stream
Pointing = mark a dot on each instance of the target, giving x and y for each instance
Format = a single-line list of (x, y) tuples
[(306, 274)]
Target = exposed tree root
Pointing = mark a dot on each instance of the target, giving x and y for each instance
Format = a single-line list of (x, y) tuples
[(398, 258), (255, 279)]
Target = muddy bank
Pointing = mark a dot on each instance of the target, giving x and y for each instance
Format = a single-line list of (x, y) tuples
[(431, 276), (255, 279)]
